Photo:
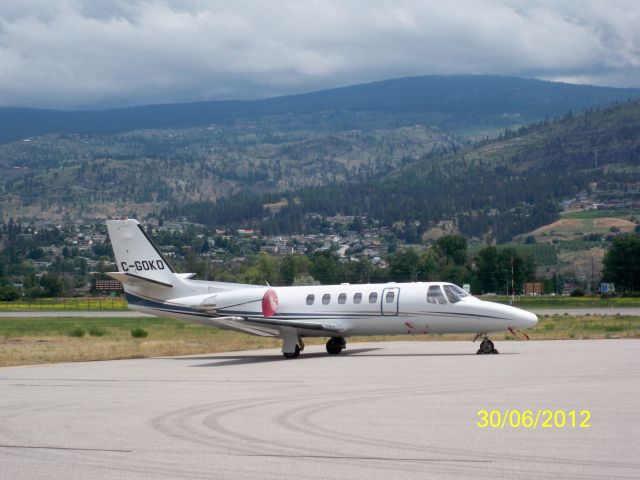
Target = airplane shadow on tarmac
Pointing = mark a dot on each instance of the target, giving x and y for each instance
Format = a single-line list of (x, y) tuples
[(229, 360)]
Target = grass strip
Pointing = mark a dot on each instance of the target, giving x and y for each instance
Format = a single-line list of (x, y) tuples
[(26, 341)]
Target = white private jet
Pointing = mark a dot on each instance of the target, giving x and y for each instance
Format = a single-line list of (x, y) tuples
[(293, 313)]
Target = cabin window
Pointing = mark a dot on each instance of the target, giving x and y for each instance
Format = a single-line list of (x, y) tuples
[(434, 295), (342, 298), (390, 297), (357, 298), (451, 294), (326, 298), (373, 297), (310, 298)]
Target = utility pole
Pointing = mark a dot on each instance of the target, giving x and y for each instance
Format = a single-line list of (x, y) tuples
[(513, 290), (557, 268)]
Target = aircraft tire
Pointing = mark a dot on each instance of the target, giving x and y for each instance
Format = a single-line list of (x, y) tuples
[(294, 354), (486, 347), (333, 347)]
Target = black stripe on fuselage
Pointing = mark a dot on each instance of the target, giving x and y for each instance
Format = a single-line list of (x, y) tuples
[(136, 300)]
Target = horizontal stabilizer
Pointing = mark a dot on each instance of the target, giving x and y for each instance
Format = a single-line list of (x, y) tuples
[(186, 275)]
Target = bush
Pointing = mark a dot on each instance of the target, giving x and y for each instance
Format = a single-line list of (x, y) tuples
[(97, 332), (139, 333), (578, 292), (9, 293), (77, 332)]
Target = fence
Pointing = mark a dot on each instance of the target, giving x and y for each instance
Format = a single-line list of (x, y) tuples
[(78, 303)]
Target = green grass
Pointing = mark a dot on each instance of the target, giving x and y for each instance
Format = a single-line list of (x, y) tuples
[(595, 326), (601, 214), (547, 301), (97, 332), (577, 245), (139, 332), (543, 253), (45, 340), (77, 332), (114, 327)]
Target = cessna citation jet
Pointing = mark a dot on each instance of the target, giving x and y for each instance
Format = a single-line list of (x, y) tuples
[(293, 313)]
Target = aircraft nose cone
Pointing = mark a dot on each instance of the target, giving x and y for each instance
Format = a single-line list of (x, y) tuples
[(528, 319)]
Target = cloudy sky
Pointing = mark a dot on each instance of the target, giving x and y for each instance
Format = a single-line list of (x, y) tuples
[(104, 53)]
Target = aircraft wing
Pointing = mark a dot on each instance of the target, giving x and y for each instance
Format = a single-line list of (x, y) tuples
[(269, 326), (303, 324)]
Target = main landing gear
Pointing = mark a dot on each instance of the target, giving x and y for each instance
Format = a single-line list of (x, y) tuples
[(335, 345), (486, 346), (292, 346), (294, 354)]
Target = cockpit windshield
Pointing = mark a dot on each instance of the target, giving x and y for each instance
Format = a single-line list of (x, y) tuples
[(434, 295), (454, 293)]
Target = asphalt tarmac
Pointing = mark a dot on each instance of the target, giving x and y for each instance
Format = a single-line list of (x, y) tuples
[(395, 410)]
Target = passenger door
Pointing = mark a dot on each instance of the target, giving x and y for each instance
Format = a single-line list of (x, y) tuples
[(389, 301)]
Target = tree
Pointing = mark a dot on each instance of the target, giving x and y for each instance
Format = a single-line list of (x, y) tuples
[(8, 293), (494, 269), (488, 269), (403, 266), (293, 267), (325, 268), (453, 247), (52, 286), (263, 270), (622, 262)]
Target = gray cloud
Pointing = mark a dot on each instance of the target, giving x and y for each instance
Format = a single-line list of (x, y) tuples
[(96, 53)]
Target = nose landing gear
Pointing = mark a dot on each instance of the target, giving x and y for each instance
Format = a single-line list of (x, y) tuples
[(486, 346)]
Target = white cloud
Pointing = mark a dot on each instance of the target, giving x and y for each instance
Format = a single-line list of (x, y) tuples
[(93, 53)]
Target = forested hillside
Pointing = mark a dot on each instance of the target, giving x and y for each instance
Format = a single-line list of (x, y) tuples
[(72, 176), (398, 151), (493, 190)]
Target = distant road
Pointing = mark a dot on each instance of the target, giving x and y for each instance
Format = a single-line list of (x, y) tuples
[(582, 311), (134, 314)]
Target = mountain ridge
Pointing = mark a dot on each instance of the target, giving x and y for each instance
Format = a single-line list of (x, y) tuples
[(483, 97)]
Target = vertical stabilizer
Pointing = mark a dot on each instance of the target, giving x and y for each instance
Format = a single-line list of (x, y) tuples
[(136, 255)]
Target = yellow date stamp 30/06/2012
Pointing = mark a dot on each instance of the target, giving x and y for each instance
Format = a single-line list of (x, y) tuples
[(533, 419)]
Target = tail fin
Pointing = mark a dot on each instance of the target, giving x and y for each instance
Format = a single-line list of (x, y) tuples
[(137, 256)]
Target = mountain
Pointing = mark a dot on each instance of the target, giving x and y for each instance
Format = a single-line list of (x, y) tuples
[(493, 190), (450, 102), (362, 149)]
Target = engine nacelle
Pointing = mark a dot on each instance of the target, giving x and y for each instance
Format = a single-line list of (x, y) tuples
[(253, 300)]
